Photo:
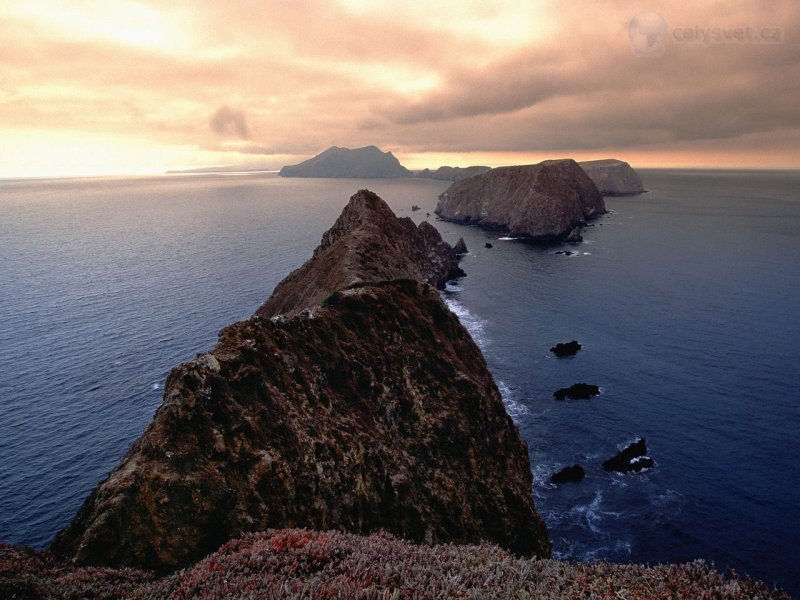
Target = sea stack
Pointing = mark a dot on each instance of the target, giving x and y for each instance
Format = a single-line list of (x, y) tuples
[(368, 409), (546, 202), (613, 177)]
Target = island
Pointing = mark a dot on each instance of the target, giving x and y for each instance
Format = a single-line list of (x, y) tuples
[(546, 202), (368, 162), (613, 177)]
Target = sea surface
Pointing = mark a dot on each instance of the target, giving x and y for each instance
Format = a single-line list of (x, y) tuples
[(685, 298)]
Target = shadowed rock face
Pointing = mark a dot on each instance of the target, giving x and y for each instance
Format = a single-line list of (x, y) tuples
[(362, 163), (613, 177), (548, 201), (367, 243), (377, 411)]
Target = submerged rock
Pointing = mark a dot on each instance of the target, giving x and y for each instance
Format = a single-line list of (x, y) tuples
[(573, 474), (613, 177), (545, 202), (632, 458), (578, 391), (367, 243), (566, 348), (361, 163), (372, 409)]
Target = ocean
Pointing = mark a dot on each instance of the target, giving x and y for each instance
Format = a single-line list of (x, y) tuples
[(685, 300)]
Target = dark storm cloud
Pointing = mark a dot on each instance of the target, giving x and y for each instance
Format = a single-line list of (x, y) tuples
[(229, 122)]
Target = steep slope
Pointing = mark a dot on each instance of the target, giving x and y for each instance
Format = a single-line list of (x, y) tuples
[(372, 410), (613, 177), (361, 163), (367, 243), (548, 201)]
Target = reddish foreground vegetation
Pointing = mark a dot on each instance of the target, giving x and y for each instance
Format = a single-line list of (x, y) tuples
[(295, 563)]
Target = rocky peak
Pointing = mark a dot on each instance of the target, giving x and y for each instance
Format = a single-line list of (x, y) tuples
[(366, 243)]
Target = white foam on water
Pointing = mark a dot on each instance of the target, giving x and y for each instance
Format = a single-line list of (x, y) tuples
[(513, 408), (155, 386), (506, 238), (451, 287), (474, 324)]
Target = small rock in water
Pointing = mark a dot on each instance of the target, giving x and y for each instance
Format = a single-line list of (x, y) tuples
[(460, 247), (573, 474), (565, 252), (414, 207), (578, 391), (632, 458), (488, 245), (566, 348)]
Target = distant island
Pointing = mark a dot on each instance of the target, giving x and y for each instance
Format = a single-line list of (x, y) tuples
[(358, 163), (452, 173), (613, 177)]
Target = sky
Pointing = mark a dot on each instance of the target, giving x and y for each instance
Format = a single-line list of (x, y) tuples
[(144, 86)]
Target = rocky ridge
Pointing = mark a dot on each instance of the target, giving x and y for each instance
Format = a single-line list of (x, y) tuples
[(367, 243), (372, 409), (546, 202)]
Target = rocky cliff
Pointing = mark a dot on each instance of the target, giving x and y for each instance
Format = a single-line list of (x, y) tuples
[(367, 243), (452, 173), (548, 201), (372, 410), (361, 163), (613, 177)]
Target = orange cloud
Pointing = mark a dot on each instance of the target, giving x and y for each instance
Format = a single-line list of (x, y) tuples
[(230, 82)]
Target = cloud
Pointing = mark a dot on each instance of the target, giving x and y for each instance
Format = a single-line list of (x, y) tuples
[(446, 77), (229, 122)]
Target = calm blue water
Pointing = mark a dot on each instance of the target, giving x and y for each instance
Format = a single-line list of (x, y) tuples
[(685, 299)]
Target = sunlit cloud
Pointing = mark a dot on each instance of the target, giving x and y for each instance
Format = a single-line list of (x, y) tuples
[(140, 84)]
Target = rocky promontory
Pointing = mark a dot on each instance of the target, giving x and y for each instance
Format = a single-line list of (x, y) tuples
[(359, 163), (613, 177), (368, 243), (370, 409), (549, 201)]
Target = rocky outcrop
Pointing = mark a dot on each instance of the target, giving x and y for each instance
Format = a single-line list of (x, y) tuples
[(367, 243), (563, 349), (549, 201), (632, 458), (460, 247), (452, 173), (360, 163), (573, 474), (577, 391), (372, 410), (613, 177)]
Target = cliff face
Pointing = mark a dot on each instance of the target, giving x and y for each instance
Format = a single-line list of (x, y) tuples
[(362, 163), (613, 177), (373, 410), (367, 243), (548, 201)]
